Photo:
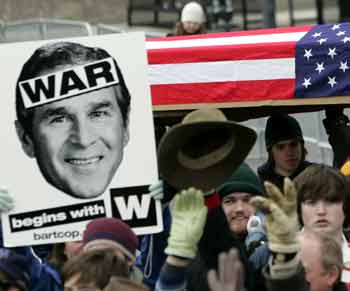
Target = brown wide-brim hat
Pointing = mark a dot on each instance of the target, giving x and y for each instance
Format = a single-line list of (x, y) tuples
[(203, 150)]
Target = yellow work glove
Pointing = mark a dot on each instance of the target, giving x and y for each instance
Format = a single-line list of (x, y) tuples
[(188, 218), (281, 216), (345, 168)]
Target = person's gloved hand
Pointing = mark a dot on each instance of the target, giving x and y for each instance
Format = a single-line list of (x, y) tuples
[(333, 112), (230, 276), (281, 216), (335, 118), (6, 201), (345, 168), (156, 190), (188, 218)]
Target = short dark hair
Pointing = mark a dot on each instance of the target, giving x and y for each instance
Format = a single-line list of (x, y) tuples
[(96, 266), (322, 182), (51, 56)]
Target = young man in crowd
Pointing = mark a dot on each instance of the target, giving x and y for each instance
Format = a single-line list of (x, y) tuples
[(235, 195), (320, 202), (243, 221), (323, 205), (286, 151)]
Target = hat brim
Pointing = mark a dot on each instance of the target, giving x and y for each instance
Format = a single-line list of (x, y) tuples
[(181, 177)]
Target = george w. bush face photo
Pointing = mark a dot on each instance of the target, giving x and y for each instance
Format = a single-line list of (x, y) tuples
[(78, 141)]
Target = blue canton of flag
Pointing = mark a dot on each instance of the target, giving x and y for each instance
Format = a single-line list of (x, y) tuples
[(322, 62)]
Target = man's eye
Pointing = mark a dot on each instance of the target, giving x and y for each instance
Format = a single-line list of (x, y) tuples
[(229, 201), (99, 114), (57, 119), (309, 202)]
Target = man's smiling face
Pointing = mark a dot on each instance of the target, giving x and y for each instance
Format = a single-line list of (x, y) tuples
[(78, 142)]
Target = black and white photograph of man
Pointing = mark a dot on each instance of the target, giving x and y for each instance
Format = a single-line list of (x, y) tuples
[(78, 142), (76, 130)]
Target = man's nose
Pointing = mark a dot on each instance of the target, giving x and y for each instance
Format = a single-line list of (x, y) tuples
[(320, 207), (82, 133), (290, 149), (239, 206)]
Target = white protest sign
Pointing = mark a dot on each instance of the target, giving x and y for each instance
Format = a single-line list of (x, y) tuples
[(77, 137)]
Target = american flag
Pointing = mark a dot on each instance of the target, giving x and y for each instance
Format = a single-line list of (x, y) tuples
[(323, 61), (255, 65)]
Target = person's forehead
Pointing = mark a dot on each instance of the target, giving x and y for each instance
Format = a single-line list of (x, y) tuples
[(323, 199), (238, 195), (287, 141)]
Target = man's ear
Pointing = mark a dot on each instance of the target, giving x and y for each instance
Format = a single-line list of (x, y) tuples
[(25, 139), (126, 135)]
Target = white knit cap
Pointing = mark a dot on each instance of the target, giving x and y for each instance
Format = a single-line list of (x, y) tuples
[(194, 12)]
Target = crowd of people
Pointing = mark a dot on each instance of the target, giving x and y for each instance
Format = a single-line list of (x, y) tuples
[(226, 227), (282, 227)]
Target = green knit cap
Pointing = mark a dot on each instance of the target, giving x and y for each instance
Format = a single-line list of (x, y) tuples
[(242, 180), (280, 127)]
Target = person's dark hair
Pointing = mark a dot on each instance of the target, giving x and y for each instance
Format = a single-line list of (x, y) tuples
[(58, 257), (52, 57), (322, 182), (96, 266), (7, 281)]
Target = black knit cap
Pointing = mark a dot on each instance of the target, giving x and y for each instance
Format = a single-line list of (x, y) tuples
[(242, 180), (281, 127)]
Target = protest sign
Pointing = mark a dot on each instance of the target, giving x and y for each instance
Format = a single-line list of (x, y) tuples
[(77, 137)]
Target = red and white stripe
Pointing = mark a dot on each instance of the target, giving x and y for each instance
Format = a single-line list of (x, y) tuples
[(224, 67)]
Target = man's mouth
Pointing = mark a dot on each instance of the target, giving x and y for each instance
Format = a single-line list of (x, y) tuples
[(322, 223), (83, 161), (239, 218)]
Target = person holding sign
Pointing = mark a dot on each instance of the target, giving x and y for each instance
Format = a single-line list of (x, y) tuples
[(72, 108)]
